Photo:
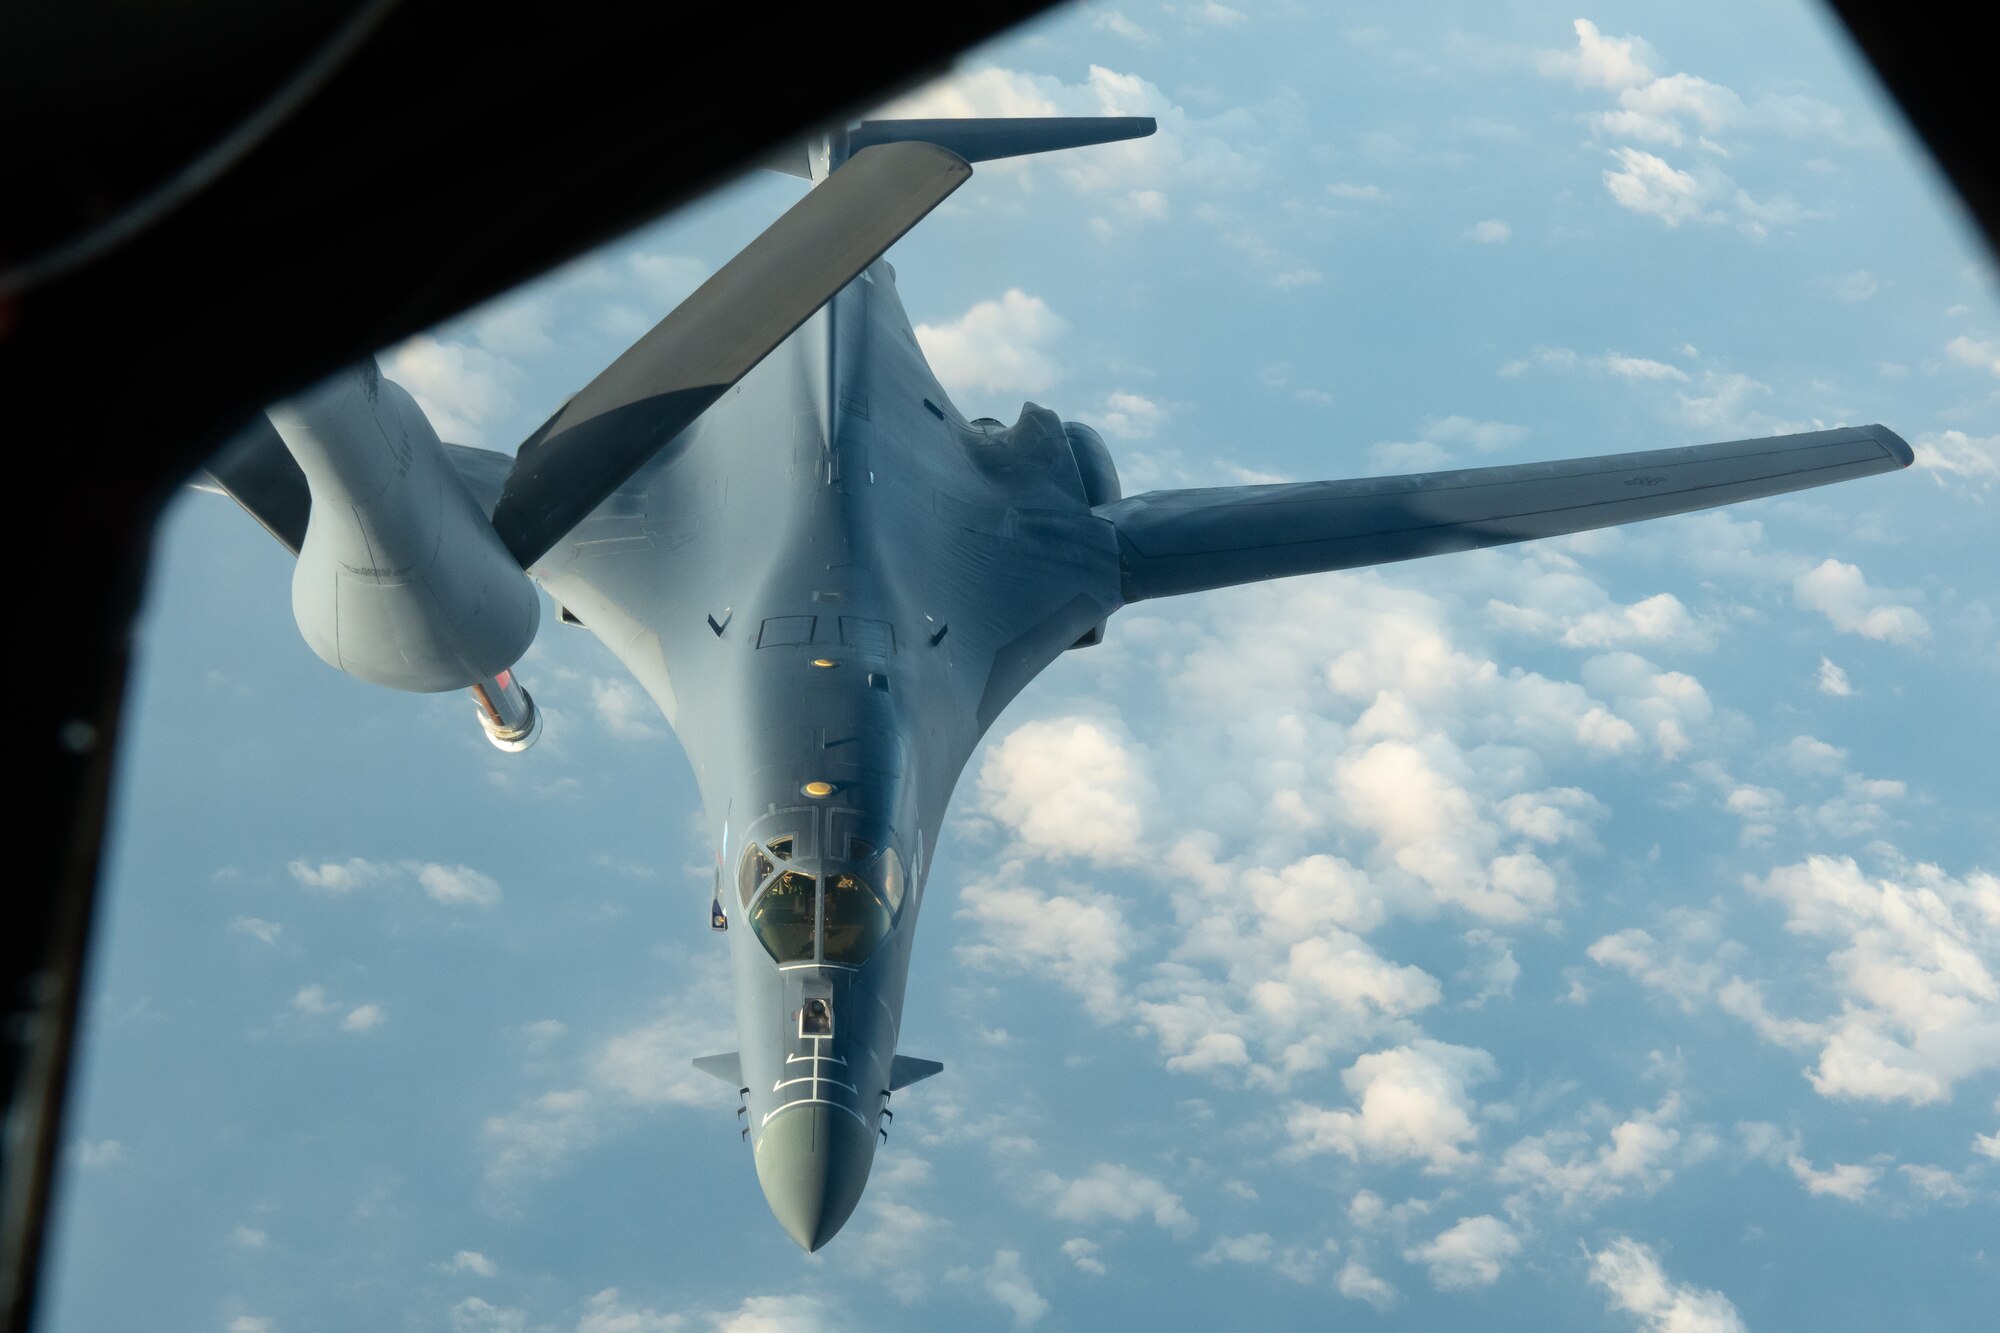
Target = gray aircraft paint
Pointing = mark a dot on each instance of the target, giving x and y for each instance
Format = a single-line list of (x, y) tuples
[(830, 577), (821, 511)]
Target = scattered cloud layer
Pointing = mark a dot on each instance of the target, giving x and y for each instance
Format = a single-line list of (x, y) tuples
[(999, 346), (1630, 1274)]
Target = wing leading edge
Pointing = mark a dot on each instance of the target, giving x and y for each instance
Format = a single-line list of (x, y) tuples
[(1193, 540)]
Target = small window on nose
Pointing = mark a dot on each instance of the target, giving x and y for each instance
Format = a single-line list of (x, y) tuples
[(816, 1019)]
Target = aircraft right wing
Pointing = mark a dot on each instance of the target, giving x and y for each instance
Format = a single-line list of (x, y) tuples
[(1188, 541)]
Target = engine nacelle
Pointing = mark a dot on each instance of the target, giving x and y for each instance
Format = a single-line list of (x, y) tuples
[(1093, 464), (402, 580)]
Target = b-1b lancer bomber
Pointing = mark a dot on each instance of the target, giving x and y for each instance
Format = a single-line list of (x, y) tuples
[(831, 583)]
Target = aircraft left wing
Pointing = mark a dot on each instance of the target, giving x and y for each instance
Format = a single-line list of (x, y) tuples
[(1188, 541), (597, 440)]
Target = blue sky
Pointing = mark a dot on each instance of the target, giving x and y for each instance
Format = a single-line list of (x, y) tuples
[(1603, 933)]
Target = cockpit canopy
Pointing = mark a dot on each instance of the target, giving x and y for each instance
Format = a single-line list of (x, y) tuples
[(840, 915)]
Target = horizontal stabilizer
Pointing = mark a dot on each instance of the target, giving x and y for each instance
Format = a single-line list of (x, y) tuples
[(728, 1067), (905, 1070), (981, 139), (1187, 541)]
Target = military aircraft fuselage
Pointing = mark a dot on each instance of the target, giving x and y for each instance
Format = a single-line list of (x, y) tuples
[(831, 585)]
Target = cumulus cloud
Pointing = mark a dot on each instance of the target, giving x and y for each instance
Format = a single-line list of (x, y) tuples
[(1640, 368), (364, 1018), (1292, 974), (1083, 1253), (472, 1261), (1635, 1158), (1075, 940), (1411, 1105), (1348, 708), (1471, 1253), (1722, 404), (1132, 182), (1919, 1001), (1009, 1284), (1567, 608), (1841, 593), (1936, 1183), (1664, 109), (1115, 21), (455, 885), (1300, 1263), (461, 387), (475, 1314), (532, 1140), (652, 1064), (1973, 457), (339, 877), (998, 346), (1683, 969), (1631, 1274), (1914, 965), (1842, 1180), (1647, 184), (264, 932), (1831, 679), (1129, 416), (1485, 436), (1068, 787), (1668, 708), (1597, 61), (1397, 791), (607, 1312), (1988, 1145), (1632, 369), (623, 709), (1491, 231), (1667, 112), (1436, 449), (634, 1073), (1979, 353), (1357, 1283), (312, 1000), (1109, 1192)]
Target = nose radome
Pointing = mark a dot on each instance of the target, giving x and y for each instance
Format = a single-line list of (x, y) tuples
[(813, 1161)]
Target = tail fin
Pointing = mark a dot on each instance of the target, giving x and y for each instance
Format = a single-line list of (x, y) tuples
[(976, 139)]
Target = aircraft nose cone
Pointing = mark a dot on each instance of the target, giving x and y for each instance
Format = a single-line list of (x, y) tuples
[(813, 1162)]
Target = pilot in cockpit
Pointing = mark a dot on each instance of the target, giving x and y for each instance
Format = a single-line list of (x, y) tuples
[(837, 916)]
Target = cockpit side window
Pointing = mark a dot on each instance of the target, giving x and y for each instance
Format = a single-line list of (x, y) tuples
[(857, 919), (750, 876), (785, 919), (888, 873)]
